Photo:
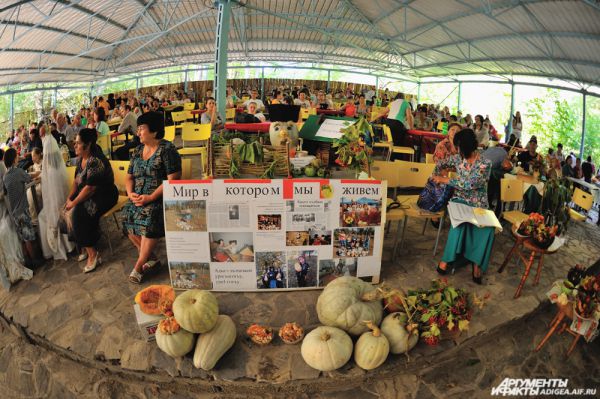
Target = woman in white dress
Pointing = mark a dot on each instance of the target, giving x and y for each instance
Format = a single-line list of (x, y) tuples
[(11, 253), (55, 189)]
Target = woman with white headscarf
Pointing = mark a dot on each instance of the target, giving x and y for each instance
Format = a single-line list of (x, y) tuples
[(55, 189), (11, 253)]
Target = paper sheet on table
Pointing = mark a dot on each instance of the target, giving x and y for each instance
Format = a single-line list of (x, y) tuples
[(461, 213), (331, 128)]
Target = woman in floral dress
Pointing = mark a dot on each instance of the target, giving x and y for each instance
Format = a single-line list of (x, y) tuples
[(470, 188), (152, 162)]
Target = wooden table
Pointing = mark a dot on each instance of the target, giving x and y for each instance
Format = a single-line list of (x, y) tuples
[(197, 112), (262, 127), (521, 241)]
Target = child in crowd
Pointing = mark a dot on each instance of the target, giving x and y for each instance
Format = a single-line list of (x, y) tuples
[(15, 181)]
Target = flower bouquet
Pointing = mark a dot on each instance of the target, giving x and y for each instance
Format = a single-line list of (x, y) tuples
[(529, 225), (543, 236), (351, 149)]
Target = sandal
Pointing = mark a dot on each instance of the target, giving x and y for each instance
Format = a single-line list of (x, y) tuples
[(97, 261), (135, 277)]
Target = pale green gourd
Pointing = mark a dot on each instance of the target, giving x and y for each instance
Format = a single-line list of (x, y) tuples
[(395, 330), (196, 310), (172, 340), (211, 346), (346, 302), (326, 348), (371, 349)]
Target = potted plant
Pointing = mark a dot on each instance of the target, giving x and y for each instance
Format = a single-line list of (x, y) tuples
[(543, 236), (529, 225), (352, 148), (557, 194)]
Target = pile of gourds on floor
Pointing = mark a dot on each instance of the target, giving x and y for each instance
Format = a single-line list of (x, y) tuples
[(348, 307)]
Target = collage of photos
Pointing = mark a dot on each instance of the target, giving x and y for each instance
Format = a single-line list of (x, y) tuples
[(297, 238), (187, 276), (302, 269), (231, 247), (353, 242), (269, 222), (185, 215), (318, 236), (360, 213), (330, 269), (271, 270)]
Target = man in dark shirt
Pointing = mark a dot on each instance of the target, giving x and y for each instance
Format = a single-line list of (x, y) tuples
[(527, 156), (587, 168)]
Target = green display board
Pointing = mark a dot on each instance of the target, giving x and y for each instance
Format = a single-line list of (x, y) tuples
[(311, 127)]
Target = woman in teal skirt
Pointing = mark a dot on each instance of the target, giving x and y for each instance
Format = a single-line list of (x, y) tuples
[(470, 187)]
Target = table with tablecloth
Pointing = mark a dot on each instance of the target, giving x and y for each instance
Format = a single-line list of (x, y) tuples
[(594, 189)]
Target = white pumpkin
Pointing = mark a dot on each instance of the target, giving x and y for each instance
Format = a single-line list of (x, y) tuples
[(211, 346), (172, 339), (346, 302), (371, 349), (395, 330), (326, 348), (196, 310)]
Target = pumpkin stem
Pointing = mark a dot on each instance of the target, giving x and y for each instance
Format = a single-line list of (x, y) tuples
[(325, 336), (371, 296), (375, 330)]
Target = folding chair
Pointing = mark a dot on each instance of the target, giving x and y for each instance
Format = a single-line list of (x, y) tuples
[(120, 173), (511, 190), (198, 132), (179, 117), (395, 149), (583, 200), (169, 133), (189, 106), (429, 158)]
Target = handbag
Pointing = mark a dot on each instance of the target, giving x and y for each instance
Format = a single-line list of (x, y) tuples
[(434, 197), (65, 221)]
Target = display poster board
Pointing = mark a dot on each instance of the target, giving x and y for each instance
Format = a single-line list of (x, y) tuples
[(332, 128), (252, 235)]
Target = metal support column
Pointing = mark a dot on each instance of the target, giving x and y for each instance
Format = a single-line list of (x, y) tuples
[(419, 93), (137, 87), (91, 94), (459, 96), (222, 38), (512, 110), (376, 85), (583, 126), (328, 79), (262, 84), (54, 97), (185, 82), (12, 111)]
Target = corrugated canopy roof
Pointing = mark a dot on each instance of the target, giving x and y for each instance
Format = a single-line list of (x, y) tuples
[(70, 40)]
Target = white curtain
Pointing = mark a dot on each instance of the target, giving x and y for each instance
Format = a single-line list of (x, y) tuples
[(55, 190), (11, 254)]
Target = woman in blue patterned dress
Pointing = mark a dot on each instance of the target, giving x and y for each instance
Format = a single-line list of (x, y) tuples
[(470, 188), (152, 162)]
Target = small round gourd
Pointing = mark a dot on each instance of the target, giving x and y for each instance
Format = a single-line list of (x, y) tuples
[(371, 349), (172, 339), (211, 346), (346, 302), (326, 348), (196, 311), (395, 330)]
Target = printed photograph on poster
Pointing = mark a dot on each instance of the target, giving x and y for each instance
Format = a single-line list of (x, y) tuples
[(270, 270), (226, 216), (360, 213), (185, 215), (231, 247), (188, 275), (296, 238), (353, 242), (289, 206), (302, 269), (319, 237), (269, 222), (330, 269)]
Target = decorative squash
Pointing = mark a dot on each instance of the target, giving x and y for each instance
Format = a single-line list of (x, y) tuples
[(212, 345), (156, 299), (372, 348), (196, 310), (291, 333), (326, 348), (261, 335), (346, 302), (172, 339), (402, 337)]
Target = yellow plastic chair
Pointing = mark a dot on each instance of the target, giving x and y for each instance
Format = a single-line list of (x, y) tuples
[(305, 112), (120, 172), (429, 158), (511, 190), (71, 175), (312, 111), (583, 200), (104, 143), (230, 114), (415, 175), (170, 133), (245, 98), (186, 169), (397, 149), (188, 115), (189, 106), (388, 171), (198, 132), (179, 117)]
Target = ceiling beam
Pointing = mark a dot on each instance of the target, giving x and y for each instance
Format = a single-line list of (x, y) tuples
[(36, 51), (15, 4), (91, 13), (512, 59)]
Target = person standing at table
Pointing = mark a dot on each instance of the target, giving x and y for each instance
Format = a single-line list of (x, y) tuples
[(500, 164), (399, 118), (470, 187), (517, 125), (588, 170)]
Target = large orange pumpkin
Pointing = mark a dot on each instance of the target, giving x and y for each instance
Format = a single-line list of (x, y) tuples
[(156, 299)]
